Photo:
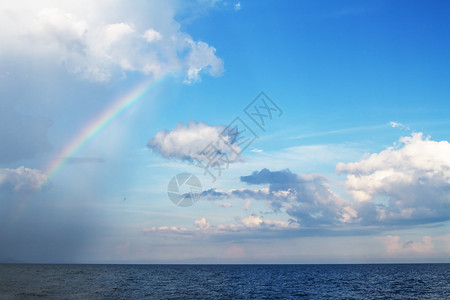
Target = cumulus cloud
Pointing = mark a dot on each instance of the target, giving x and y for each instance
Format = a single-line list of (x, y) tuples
[(307, 198), (413, 178), (202, 57), (101, 39), (202, 224), (151, 35), (22, 136), (21, 179), (196, 140)]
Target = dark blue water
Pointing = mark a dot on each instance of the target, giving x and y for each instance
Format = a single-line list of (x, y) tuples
[(397, 281)]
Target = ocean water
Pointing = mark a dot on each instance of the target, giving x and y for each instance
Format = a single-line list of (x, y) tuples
[(377, 281)]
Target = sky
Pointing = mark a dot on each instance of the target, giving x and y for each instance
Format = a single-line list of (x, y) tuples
[(224, 131)]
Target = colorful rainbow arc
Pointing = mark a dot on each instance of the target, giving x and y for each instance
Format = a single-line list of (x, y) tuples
[(98, 124)]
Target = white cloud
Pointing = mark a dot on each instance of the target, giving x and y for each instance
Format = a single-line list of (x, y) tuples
[(253, 222), (237, 6), (105, 38), (413, 178), (202, 224), (54, 25), (151, 35), (394, 124), (194, 140), (171, 229), (202, 57), (21, 179)]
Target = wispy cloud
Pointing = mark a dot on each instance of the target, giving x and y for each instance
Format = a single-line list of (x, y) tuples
[(336, 131), (394, 124)]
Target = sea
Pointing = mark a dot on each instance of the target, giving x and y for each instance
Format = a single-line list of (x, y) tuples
[(351, 281)]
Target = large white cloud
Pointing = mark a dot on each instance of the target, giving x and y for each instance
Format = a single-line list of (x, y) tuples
[(103, 38), (21, 179), (407, 182)]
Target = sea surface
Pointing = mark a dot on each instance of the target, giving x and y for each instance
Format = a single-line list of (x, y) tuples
[(377, 281)]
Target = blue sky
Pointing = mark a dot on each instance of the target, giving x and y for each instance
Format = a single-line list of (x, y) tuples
[(355, 168)]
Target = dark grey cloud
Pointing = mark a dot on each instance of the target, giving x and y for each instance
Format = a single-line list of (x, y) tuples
[(265, 176), (213, 194), (22, 136), (310, 200), (307, 198)]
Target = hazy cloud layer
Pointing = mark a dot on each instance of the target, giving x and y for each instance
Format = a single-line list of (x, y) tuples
[(195, 140), (85, 160), (22, 136), (394, 246), (104, 38), (251, 223)]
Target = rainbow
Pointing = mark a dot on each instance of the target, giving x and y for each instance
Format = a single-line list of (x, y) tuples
[(98, 124)]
